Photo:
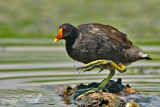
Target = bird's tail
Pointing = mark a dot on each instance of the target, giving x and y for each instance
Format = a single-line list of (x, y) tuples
[(144, 56), (148, 58)]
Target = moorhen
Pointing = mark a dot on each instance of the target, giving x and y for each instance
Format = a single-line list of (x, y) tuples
[(99, 46)]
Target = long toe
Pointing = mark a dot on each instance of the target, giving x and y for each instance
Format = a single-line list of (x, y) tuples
[(80, 97), (103, 89)]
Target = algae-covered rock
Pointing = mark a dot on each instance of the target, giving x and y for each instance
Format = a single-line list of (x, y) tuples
[(118, 96), (103, 100)]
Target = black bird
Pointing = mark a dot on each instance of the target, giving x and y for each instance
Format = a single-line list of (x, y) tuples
[(99, 46)]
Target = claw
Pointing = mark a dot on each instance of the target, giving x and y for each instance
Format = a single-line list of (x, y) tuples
[(92, 65), (89, 69), (101, 70), (106, 90), (78, 68)]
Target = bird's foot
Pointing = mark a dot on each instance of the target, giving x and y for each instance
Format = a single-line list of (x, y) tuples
[(94, 64), (102, 89), (93, 90), (103, 64)]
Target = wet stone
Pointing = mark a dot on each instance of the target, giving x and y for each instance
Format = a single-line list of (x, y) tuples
[(119, 96)]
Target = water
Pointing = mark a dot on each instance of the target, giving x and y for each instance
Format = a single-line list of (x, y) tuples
[(18, 92), (27, 78)]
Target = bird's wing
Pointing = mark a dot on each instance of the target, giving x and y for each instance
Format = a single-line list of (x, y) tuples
[(118, 38)]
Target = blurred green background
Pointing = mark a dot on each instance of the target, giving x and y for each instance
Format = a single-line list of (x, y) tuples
[(28, 57), (36, 22)]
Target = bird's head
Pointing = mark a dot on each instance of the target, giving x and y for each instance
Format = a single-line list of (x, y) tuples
[(65, 31)]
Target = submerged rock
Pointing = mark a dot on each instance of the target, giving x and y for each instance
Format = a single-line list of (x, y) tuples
[(102, 99), (119, 96)]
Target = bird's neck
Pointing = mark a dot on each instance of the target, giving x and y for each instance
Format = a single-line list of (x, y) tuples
[(71, 41), (72, 38)]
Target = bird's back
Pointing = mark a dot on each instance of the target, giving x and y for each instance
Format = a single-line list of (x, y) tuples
[(114, 34), (97, 41)]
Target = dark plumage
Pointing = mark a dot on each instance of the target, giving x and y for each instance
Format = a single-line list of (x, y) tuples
[(99, 46), (90, 42)]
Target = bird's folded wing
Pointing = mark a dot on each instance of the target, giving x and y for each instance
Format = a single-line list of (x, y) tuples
[(118, 38)]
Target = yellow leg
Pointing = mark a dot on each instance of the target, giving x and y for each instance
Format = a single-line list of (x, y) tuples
[(96, 64), (105, 81)]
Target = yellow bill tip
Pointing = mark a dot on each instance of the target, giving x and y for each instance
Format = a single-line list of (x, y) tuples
[(56, 40)]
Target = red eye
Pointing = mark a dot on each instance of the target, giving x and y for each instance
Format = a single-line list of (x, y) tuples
[(67, 30)]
